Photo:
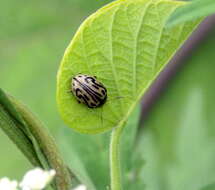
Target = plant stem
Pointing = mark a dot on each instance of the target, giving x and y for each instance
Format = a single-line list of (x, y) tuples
[(47, 145), (115, 158)]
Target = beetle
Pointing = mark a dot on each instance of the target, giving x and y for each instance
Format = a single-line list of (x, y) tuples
[(88, 90)]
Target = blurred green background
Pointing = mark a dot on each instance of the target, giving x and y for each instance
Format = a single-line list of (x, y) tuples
[(178, 138), (33, 38)]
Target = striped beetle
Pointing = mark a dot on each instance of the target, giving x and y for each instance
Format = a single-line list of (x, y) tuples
[(88, 90)]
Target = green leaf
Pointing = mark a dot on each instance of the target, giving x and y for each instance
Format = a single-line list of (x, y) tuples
[(132, 162), (209, 187), (178, 137), (31, 137), (126, 45), (196, 9), (14, 126)]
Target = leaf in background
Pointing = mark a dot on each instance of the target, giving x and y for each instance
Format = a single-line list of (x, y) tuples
[(132, 161), (181, 164), (88, 155), (14, 126), (209, 187), (178, 138), (40, 30), (194, 10), (31, 137), (125, 45)]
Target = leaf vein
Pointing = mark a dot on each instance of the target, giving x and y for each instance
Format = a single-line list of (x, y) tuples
[(136, 38), (158, 42), (112, 57)]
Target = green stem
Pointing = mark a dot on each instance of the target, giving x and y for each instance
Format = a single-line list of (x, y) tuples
[(115, 158), (47, 145)]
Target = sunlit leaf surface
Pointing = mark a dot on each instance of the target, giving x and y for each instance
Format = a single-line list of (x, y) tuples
[(125, 45)]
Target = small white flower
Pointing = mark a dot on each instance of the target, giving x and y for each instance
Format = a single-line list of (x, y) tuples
[(37, 179), (7, 184), (80, 187)]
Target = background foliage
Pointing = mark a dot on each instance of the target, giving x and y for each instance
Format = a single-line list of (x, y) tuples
[(179, 135), (179, 132), (33, 38), (196, 9)]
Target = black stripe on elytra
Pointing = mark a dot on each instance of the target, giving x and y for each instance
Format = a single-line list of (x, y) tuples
[(89, 104), (93, 81), (90, 90), (86, 99), (103, 91), (92, 93), (80, 95), (92, 105), (95, 86)]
